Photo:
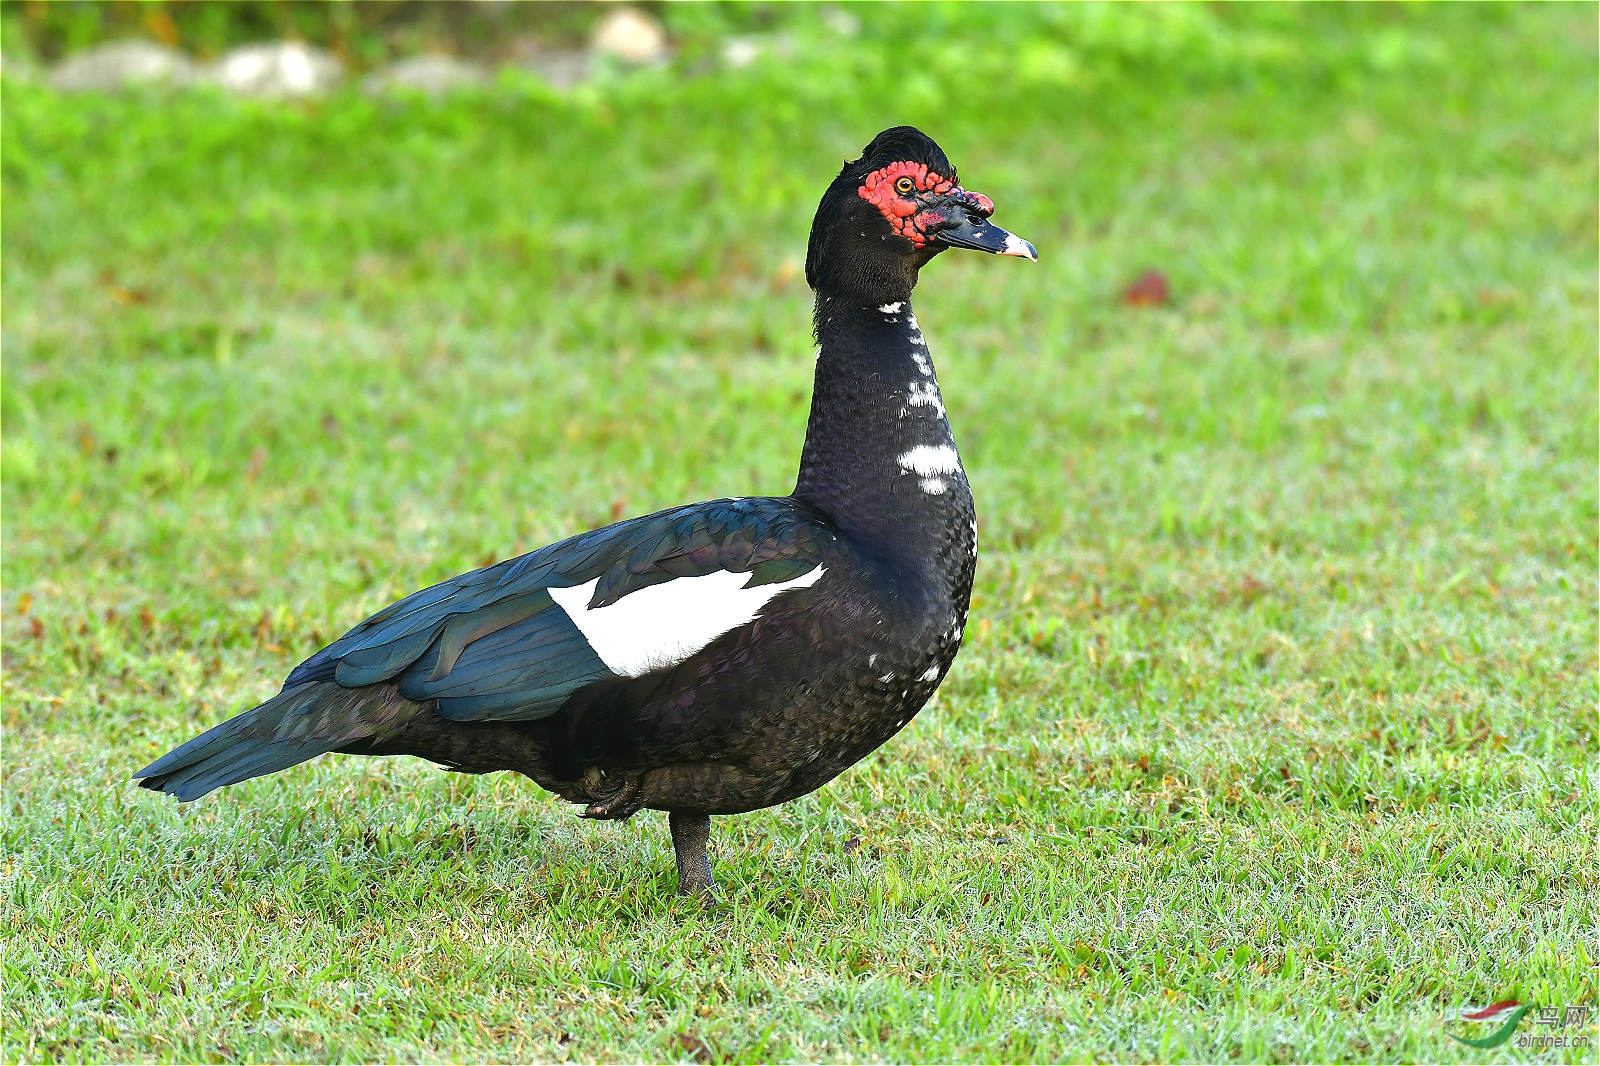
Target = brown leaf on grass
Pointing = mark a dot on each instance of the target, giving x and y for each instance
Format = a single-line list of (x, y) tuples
[(121, 293), (129, 297), (617, 506), (35, 628), (693, 1046), (1149, 289)]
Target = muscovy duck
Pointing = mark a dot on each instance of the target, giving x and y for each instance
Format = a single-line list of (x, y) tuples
[(709, 659)]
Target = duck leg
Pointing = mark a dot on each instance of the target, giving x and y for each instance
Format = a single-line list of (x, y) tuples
[(689, 835)]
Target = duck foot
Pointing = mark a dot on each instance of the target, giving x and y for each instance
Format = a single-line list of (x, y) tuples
[(689, 835), (623, 803)]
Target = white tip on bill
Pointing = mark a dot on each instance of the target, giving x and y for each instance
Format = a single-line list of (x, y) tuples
[(1020, 248)]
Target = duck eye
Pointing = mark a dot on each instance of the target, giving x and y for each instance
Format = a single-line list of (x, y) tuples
[(905, 186)]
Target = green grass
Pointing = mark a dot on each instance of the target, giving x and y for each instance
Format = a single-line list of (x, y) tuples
[(1274, 734)]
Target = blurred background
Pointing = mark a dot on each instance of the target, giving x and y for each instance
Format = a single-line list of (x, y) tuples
[(1272, 734)]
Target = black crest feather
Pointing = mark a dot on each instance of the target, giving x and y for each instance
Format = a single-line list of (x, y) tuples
[(903, 142)]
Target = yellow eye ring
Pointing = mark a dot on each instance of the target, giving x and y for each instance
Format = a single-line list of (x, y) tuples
[(905, 186)]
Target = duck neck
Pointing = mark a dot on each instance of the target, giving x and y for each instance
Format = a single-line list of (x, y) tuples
[(879, 457)]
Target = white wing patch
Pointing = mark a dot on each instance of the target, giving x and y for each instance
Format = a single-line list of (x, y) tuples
[(664, 624)]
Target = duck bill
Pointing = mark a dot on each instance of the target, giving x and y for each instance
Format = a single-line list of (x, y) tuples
[(984, 236)]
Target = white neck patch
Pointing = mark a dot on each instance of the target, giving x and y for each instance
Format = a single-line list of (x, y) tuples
[(664, 624), (923, 394), (930, 460), (931, 463)]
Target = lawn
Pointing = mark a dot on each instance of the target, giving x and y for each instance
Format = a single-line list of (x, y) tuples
[(1274, 733)]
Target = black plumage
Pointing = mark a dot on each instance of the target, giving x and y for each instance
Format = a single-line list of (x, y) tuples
[(708, 659)]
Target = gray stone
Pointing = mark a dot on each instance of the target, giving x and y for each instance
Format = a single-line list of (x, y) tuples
[(560, 67), (119, 64), (841, 22), (277, 68), (433, 75), (740, 52)]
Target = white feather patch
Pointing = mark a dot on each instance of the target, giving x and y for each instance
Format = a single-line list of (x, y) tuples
[(923, 394), (930, 460), (664, 624)]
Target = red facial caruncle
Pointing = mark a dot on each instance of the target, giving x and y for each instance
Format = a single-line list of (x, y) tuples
[(906, 192)]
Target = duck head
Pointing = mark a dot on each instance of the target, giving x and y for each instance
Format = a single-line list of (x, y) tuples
[(891, 211)]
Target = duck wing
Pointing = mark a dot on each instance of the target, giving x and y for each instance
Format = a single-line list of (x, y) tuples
[(512, 641)]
